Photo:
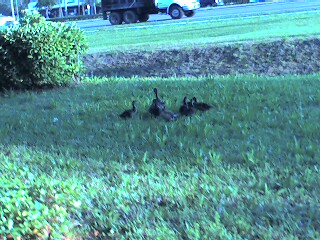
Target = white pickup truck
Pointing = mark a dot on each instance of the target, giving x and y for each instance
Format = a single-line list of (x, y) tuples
[(132, 11)]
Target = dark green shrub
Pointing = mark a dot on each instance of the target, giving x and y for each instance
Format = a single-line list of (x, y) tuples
[(40, 54)]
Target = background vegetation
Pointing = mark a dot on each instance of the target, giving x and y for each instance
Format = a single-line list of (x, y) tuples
[(283, 56), (268, 44), (190, 34)]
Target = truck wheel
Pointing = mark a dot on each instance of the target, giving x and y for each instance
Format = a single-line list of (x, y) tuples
[(190, 13), (176, 12), (130, 17), (115, 18), (143, 17)]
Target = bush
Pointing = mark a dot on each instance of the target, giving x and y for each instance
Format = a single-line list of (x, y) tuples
[(40, 54), (35, 207)]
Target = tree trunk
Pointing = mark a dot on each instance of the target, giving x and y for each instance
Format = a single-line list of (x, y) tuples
[(12, 9), (17, 10), (94, 7), (60, 12), (47, 12), (66, 7), (79, 11)]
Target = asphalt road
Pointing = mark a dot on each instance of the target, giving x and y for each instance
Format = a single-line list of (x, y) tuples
[(212, 13)]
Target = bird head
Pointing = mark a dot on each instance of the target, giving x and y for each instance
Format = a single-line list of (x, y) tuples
[(184, 101), (194, 99)]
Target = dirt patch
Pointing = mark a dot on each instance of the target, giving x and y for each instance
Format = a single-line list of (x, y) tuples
[(271, 58)]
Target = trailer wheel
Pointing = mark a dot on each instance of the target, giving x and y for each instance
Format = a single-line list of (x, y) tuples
[(176, 12), (115, 18), (130, 17), (190, 13), (143, 17)]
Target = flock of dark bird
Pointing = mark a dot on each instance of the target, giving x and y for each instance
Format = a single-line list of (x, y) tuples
[(158, 108)]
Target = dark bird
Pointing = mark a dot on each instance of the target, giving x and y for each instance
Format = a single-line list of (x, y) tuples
[(168, 115), (191, 108), (156, 108), (201, 105), (129, 113), (157, 104), (159, 100), (187, 108), (184, 107)]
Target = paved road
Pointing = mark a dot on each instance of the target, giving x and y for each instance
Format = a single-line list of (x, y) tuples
[(252, 9)]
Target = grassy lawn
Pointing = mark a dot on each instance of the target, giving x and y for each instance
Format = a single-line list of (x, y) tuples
[(249, 168), (188, 33), (70, 167)]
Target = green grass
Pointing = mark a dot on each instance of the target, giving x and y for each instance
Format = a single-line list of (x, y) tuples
[(249, 168), (188, 33)]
